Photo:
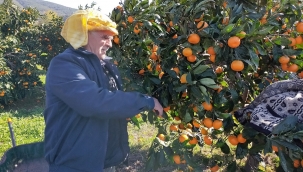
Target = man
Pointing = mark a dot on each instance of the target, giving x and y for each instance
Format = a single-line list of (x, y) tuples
[(86, 109)]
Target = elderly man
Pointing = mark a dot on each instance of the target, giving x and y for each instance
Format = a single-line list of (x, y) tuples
[(86, 109)]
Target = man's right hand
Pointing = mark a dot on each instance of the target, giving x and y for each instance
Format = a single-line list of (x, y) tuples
[(158, 108)]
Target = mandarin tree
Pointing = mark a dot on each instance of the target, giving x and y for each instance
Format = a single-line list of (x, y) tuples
[(18, 41), (255, 36)]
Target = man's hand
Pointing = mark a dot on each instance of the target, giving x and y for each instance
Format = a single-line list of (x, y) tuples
[(158, 108)]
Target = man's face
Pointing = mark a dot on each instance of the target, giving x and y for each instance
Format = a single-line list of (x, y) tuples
[(99, 42)]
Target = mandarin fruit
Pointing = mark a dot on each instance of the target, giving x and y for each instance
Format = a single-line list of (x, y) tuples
[(207, 106), (183, 79), (201, 25), (204, 131), (237, 65), (130, 19), (208, 122), (292, 41), (183, 138), (275, 148), (234, 42), (193, 141), (293, 68), (177, 159), (219, 70), (214, 168), (191, 58), (193, 38), (284, 59), (173, 127), (299, 27), (296, 163), (211, 51), (161, 137), (196, 124), (217, 124), (233, 139), (141, 72), (207, 140), (212, 58), (240, 138), (187, 52)]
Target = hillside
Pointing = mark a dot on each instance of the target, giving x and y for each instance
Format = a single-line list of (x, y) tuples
[(44, 6)]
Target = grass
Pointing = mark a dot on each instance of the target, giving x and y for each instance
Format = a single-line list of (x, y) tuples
[(27, 122)]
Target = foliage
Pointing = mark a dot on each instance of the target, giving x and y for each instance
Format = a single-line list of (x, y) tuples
[(26, 41), (150, 53)]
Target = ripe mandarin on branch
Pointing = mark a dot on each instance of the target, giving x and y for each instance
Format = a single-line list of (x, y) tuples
[(234, 42), (193, 38), (173, 127), (211, 50), (207, 106), (130, 19), (217, 124), (237, 65), (183, 79), (204, 131), (299, 27), (161, 137), (177, 159), (187, 52), (233, 139), (240, 138), (208, 122), (183, 138), (191, 58), (214, 168), (201, 25), (193, 141), (207, 140), (284, 59)]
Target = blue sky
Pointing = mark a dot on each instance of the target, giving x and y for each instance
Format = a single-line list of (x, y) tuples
[(105, 5)]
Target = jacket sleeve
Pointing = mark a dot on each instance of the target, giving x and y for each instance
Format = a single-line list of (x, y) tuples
[(68, 81)]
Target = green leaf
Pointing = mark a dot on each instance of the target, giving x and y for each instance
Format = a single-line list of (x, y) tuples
[(188, 79), (207, 81), (203, 90), (150, 164), (241, 151), (288, 167), (224, 115), (285, 125), (187, 117), (135, 121), (232, 166), (200, 69), (265, 30), (268, 147), (282, 41), (196, 92), (181, 88), (150, 117), (228, 123), (155, 80), (228, 28), (225, 148), (160, 157), (291, 52), (249, 132), (287, 144)]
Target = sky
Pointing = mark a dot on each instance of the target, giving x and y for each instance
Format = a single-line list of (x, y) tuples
[(106, 5)]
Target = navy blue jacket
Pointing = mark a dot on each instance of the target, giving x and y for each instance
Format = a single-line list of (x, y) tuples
[(86, 127)]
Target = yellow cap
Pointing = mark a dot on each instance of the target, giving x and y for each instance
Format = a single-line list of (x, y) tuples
[(76, 26)]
